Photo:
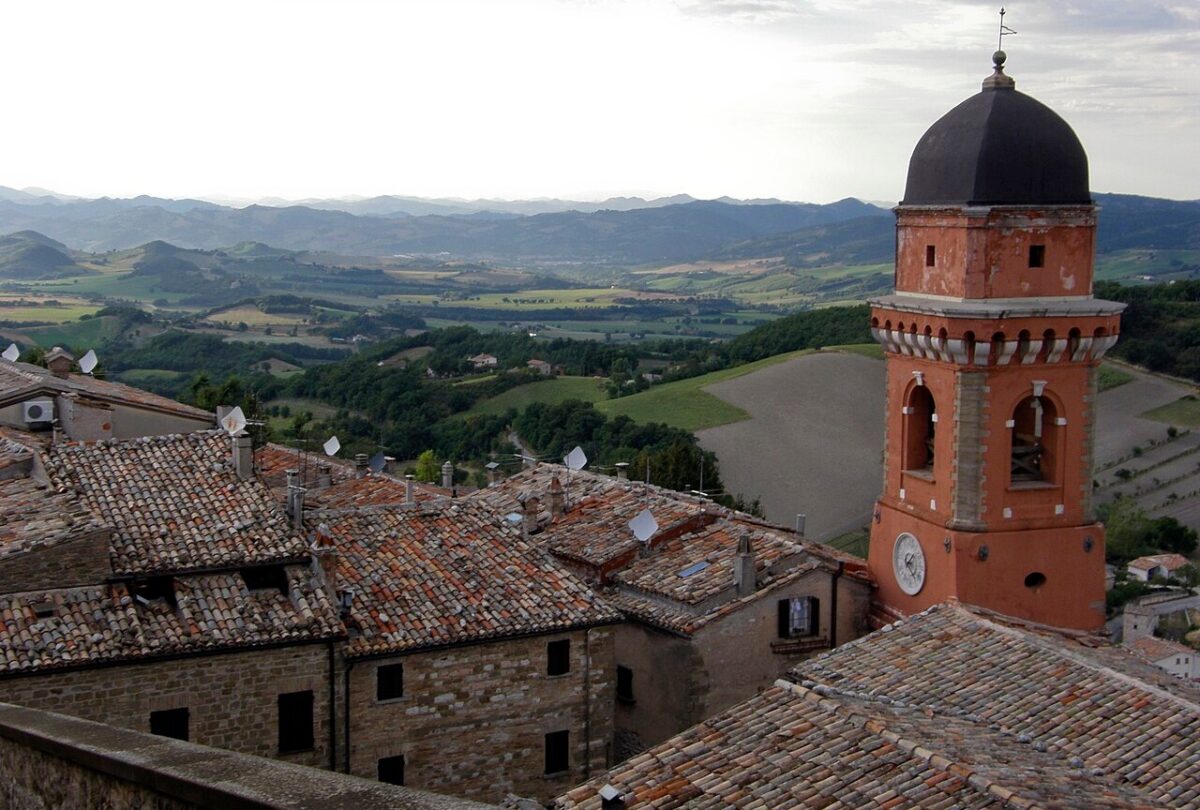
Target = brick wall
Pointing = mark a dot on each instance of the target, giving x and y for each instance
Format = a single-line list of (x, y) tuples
[(81, 561), (232, 698), (472, 720)]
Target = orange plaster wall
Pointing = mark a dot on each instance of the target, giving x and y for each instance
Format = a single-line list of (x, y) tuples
[(939, 378), (986, 254)]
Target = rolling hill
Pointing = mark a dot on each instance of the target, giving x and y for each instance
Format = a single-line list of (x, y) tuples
[(30, 256)]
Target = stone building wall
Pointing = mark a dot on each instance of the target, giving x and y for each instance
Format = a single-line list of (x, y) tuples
[(232, 698), (472, 720), (80, 561)]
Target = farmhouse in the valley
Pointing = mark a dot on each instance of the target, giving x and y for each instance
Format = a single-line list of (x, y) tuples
[(719, 603), (83, 408), (1156, 566), (483, 361), (540, 366)]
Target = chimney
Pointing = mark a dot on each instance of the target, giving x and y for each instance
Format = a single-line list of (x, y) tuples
[(360, 464), (622, 470), (295, 499), (325, 553), (492, 466), (558, 501), (529, 513), (743, 566), (324, 474), (447, 475), (243, 456), (800, 525), (59, 361), (409, 495)]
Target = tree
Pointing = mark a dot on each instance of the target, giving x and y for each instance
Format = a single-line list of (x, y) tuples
[(429, 469)]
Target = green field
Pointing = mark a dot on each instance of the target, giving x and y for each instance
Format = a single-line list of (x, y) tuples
[(142, 376), (550, 392), (1109, 376), (683, 405), (1129, 266), (77, 334), (1184, 411)]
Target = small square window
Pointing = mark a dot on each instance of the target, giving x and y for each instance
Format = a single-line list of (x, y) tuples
[(389, 681), (798, 617), (624, 684), (558, 758), (558, 657), (391, 770), (1037, 255), (296, 722), (171, 723), (930, 255)]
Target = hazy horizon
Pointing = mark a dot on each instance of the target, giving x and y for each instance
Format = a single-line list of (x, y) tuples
[(801, 100)]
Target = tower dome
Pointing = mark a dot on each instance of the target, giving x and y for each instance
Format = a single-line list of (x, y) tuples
[(999, 147)]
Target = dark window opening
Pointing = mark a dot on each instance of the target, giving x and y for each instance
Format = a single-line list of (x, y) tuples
[(148, 590), (1035, 580), (171, 723), (1034, 440), (266, 578), (624, 684), (558, 754), (391, 770), (295, 722), (43, 610), (919, 428), (389, 681), (558, 657), (798, 616), (1037, 255), (930, 255)]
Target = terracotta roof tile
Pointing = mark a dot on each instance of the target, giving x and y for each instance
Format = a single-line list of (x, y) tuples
[(1151, 649), (441, 573), (1168, 561), (106, 622), (175, 503)]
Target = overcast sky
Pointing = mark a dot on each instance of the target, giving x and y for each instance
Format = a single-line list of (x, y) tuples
[(809, 100)]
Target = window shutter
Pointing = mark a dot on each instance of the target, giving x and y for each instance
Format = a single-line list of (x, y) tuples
[(814, 615), (785, 618)]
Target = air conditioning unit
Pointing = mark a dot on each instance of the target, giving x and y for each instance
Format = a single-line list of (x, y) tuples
[(38, 411)]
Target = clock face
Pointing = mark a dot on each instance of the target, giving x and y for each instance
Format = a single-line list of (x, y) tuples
[(908, 563)]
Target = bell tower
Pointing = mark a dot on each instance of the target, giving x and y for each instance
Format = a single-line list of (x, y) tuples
[(992, 339)]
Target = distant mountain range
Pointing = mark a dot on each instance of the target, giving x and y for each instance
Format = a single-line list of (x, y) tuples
[(621, 231)]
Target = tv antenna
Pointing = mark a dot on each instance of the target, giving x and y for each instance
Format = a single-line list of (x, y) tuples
[(1005, 31), (643, 526), (88, 363), (234, 421), (11, 353)]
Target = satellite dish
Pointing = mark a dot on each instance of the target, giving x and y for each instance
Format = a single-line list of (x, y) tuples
[(576, 459), (332, 446), (88, 362), (234, 422), (378, 462), (643, 526), (11, 353)]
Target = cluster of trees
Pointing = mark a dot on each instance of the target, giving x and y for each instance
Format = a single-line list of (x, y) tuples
[(1131, 533), (1160, 327)]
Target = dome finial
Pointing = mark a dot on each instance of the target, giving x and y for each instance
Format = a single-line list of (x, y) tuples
[(998, 80)]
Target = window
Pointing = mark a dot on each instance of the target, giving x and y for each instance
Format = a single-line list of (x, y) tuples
[(919, 426), (558, 759), (391, 770), (1034, 440), (930, 255), (171, 723), (389, 681), (1037, 255), (266, 578), (798, 616), (295, 722), (624, 684), (558, 657)]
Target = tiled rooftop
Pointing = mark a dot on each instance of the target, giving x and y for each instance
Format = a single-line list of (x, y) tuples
[(33, 514), (1167, 561), (345, 490), (175, 503), (441, 573), (106, 622), (1151, 649), (949, 708), (19, 380)]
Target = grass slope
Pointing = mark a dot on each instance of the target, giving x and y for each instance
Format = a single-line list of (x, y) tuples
[(684, 405), (549, 392)]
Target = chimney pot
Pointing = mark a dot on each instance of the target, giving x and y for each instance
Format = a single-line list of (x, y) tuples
[(295, 499), (743, 567), (243, 456), (409, 489), (447, 475), (558, 501), (324, 474), (325, 551), (529, 514), (800, 520), (59, 361), (622, 470), (360, 464)]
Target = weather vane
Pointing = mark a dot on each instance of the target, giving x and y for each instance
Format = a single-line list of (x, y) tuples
[(1004, 32)]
